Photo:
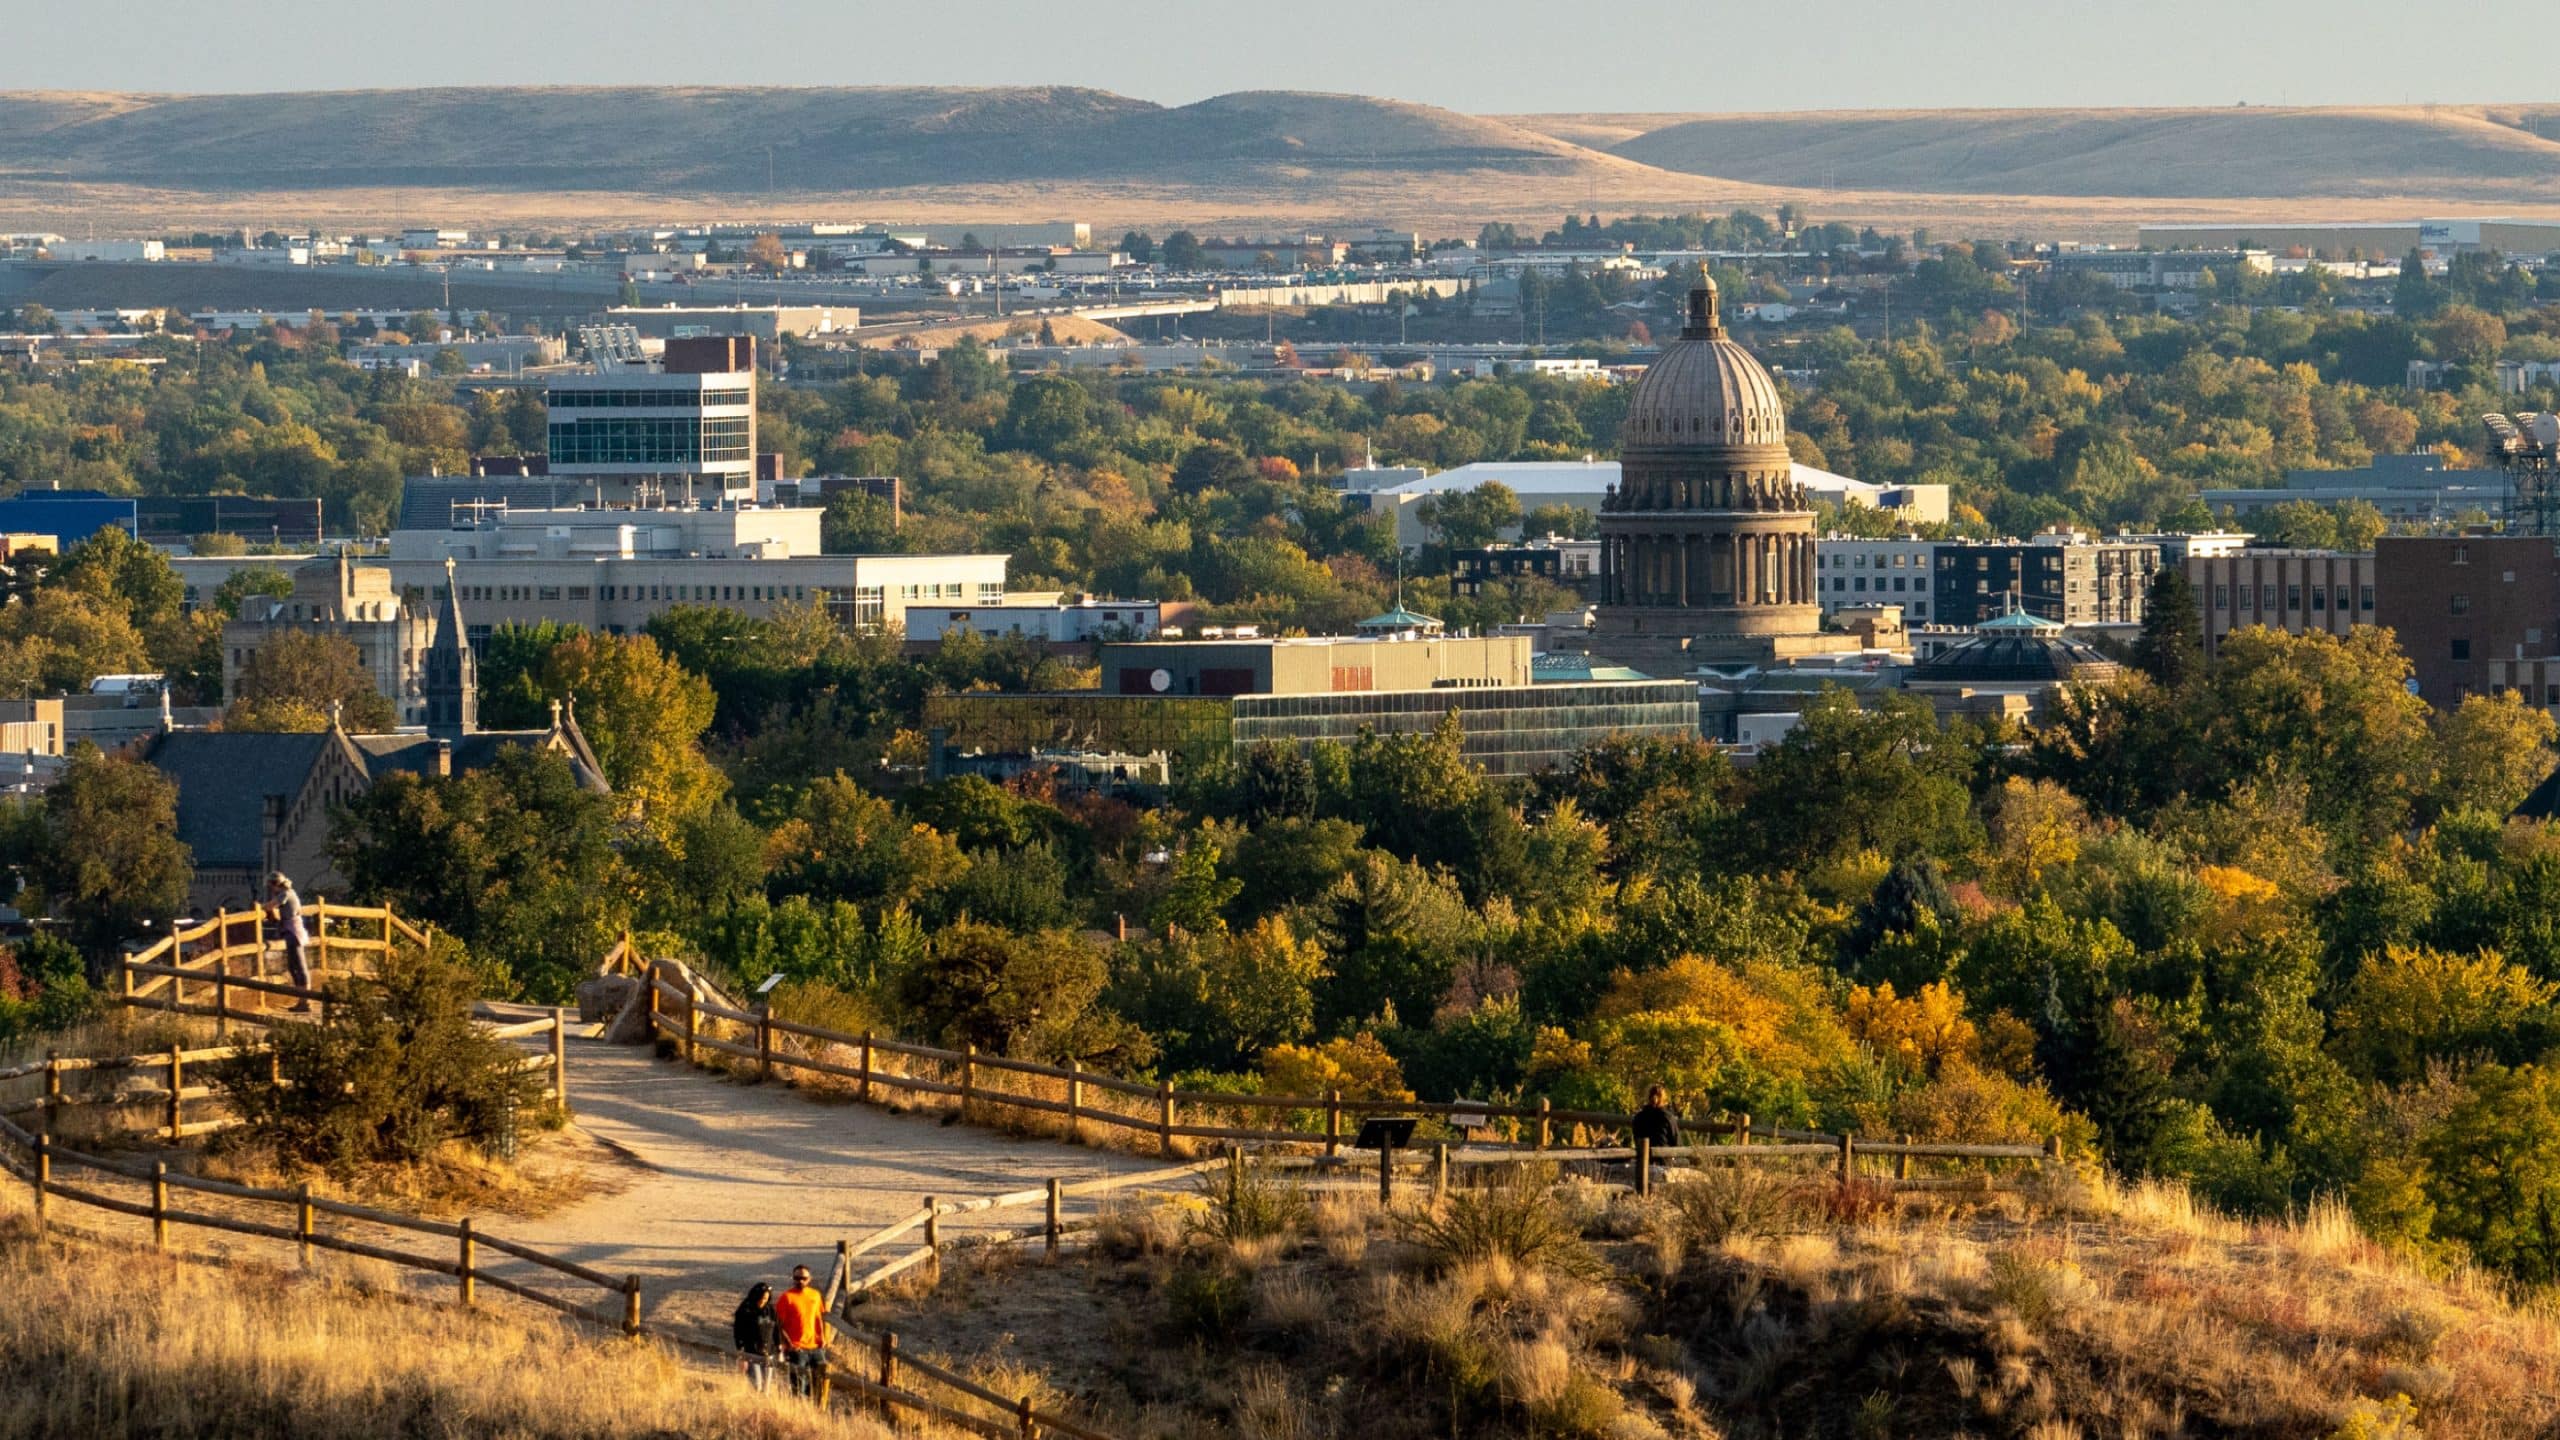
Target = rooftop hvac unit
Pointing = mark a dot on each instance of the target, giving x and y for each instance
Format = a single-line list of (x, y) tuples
[(612, 347)]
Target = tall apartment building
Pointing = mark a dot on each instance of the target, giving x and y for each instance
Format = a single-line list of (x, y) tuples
[(1851, 572), (2296, 591), (2060, 575)]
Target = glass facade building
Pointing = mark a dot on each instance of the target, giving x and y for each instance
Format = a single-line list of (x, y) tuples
[(1508, 729), (649, 442)]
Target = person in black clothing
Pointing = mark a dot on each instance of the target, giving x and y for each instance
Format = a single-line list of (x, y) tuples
[(752, 1330), (1655, 1124)]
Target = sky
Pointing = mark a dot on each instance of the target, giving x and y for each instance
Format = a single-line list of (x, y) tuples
[(1481, 56)]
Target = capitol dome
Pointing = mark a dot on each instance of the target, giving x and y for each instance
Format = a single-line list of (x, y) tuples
[(1705, 390)]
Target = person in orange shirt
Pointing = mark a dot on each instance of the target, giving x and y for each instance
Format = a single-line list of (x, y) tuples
[(800, 1313)]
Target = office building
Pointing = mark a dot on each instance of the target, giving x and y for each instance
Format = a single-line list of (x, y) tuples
[(258, 519), (2374, 239), (1849, 573), (69, 516), (682, 432), (2295, 591), (1201, 701), (2415, 489), (356, 603), (2155, 270), (1555, 559), (2475, 614), (1053, 620), (2062, 576)]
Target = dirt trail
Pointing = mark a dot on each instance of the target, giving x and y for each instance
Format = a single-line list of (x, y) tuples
[(727, 1183)]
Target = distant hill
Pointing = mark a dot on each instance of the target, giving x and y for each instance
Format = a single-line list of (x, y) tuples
[(2464, 153), (716, 139)]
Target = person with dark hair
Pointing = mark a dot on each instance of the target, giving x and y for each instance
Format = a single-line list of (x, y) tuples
[(1655, 1124), (752, 1329)]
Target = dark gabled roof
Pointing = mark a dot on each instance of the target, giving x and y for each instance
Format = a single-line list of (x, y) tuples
[(2544, 802), (416, 754), (224, 779)]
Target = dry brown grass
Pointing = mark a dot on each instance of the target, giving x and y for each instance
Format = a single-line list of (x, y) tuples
[(2071, 1307), (549, 1174), (97, 1340)]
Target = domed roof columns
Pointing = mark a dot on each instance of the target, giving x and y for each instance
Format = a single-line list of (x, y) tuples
[(1707, 533), (1700, 571)]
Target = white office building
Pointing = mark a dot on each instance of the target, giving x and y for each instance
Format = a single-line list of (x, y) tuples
[(1875, 572), (648, 435)]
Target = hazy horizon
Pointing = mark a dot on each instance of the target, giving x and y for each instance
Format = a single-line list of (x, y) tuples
[(1491, 57)]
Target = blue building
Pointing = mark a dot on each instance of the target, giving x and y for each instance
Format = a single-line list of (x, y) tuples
[(70, 516)]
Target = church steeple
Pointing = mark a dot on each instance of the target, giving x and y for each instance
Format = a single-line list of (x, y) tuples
[(453, 675)]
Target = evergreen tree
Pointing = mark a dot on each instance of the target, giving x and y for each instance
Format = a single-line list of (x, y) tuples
[(2171, 649)]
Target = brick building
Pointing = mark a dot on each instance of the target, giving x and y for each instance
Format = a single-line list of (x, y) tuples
[(2474, 613), (2296, 591)]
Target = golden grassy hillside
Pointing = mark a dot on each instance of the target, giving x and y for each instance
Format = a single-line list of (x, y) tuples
[(1742, 1308), (2465, 154), (99, 1340)]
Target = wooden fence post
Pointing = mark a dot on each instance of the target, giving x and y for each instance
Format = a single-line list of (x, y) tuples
[(51, 1116), (933, 1225), (692, 1022), (1386, 1173), (1164, 1117), (1848, 1155), (124, 968), (44, 1175), (1235, 1177), (559, 1057), (1742, 1128), (863, 1092), (1332, 1123), (302, 1224), (1075, 1099), (1644, 1166), (320, 938), (1546, 1125), (1902, 1162), (888, 1362), (764, 1042), (160, 1205), (968, 1078), (1440, 1172), (470, 1287), (649, 985), (1028, 1423), (631, 1305), (2053, 1149), (1054, 1198), (177, 1087)]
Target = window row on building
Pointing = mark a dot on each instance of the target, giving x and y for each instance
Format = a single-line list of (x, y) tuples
[(643, 441)]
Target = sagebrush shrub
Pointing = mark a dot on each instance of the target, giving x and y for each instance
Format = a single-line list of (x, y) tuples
[(393, 1070)]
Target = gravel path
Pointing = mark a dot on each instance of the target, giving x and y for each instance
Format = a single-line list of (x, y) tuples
[(726, 1183)]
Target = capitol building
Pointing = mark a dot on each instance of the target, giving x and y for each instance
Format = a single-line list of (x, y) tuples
[(1707, 541)]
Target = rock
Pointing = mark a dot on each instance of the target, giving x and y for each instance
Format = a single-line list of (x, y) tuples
[(630, 1024), (604, 996)]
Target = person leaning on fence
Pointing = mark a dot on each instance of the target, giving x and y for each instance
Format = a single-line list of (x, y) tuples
[(285, 908), (1655, 1124), (753, 1328), (800, 1314)]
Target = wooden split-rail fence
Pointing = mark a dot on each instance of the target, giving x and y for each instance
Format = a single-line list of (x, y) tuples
[(704, 1030)]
